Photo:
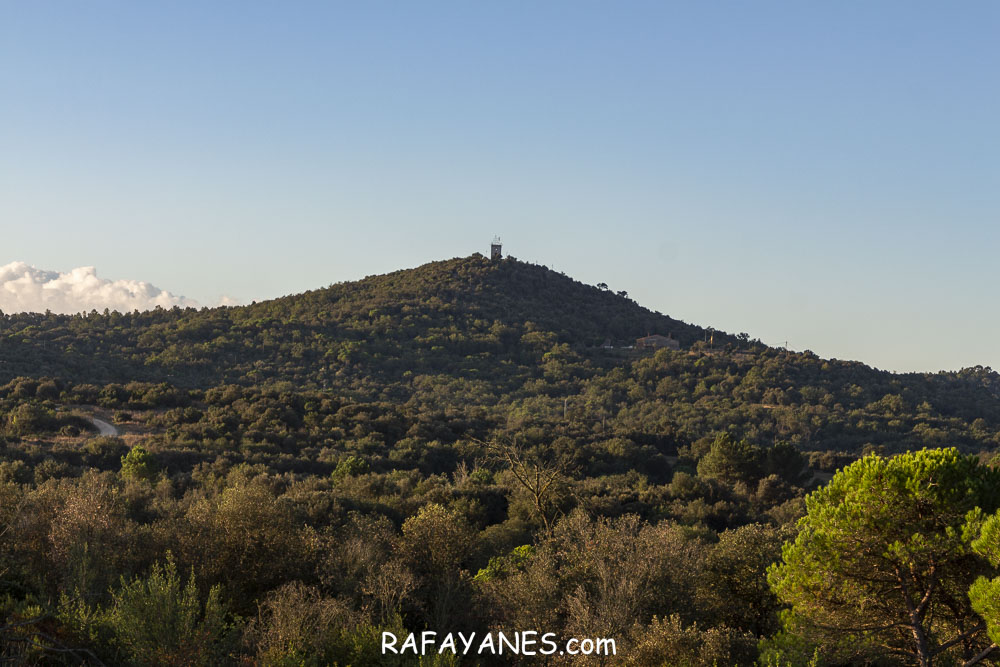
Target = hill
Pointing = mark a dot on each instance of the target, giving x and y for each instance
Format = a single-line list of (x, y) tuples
[(517, 341), (459, 316)]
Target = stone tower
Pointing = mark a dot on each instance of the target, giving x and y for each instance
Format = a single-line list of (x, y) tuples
[(495, 249)]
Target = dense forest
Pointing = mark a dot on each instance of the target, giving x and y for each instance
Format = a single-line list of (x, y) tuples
[(477, 446)]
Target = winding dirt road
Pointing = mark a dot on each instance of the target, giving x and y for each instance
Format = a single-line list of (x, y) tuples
[(104, 427)]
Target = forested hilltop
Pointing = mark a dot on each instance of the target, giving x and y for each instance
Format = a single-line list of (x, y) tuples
[(461, 316), (515, 337), (477, 445)]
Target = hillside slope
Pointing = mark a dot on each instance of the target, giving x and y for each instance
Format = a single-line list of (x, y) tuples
[(509, 344), (441, 316)]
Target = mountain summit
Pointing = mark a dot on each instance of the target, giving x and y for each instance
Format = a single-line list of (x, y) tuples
[(457, 315), (506, 291)]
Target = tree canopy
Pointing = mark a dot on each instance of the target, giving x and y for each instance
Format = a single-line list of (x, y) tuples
[(884, 560)]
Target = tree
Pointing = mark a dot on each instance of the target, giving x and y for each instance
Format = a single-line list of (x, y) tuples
[(538, 475), (614, 571), (351, 466), (883, 559), (435, 544), (731, 461), (245, 540), (732, 587), (788, 463), (688, 645), (297, 625), (985, 592), (157, 621), (90, 538), (436, 539), (138, 464)]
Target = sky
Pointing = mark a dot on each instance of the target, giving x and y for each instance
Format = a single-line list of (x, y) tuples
[(826, 174)]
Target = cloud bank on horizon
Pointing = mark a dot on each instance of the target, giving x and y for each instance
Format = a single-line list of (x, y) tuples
[(26, 288)]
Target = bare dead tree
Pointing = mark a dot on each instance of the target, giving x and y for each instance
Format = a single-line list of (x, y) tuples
[(538, 475)]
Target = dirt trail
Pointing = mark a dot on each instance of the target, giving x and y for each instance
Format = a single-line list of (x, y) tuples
[(104, 427)]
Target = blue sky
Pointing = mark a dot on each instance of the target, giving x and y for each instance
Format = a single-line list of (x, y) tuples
[(822, 174)]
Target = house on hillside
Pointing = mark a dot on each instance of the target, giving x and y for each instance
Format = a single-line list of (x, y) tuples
[(656, 342)]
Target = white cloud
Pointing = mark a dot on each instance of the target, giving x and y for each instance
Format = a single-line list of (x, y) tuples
[(27, 288)]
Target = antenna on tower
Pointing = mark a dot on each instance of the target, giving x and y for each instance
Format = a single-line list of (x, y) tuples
[(495, 253)]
